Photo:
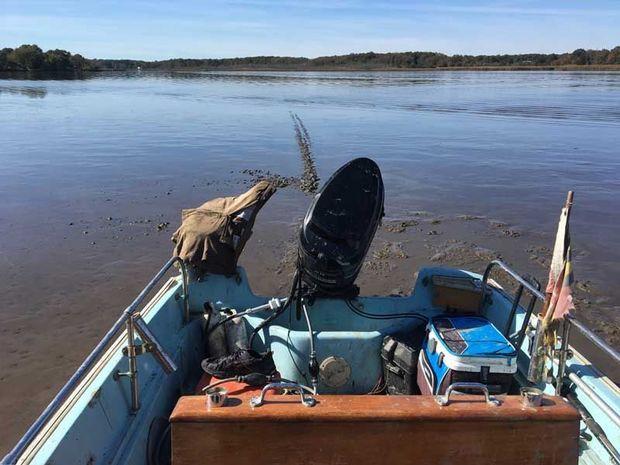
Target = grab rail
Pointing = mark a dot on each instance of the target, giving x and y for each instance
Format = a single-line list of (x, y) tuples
[(55, 404), (596, 340), (583, 329), (308, 401), (517, 277), (454, 387), (600, 403)]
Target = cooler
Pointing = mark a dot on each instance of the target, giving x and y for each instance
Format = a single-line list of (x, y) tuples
[(465, 349)]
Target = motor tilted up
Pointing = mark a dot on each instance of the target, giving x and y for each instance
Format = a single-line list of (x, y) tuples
[(339, 227)]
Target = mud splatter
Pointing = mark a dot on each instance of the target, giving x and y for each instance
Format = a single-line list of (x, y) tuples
[(308, 182), (276, 179), (400, 226), (389, 251)]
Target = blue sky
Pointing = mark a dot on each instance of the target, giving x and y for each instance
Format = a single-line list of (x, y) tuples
[(217, 28)]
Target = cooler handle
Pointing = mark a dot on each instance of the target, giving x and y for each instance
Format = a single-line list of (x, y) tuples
[(454, 387)]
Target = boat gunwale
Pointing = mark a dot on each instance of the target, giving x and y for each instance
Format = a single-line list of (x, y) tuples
[(114, 349)]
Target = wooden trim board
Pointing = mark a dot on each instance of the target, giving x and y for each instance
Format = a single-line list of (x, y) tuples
[(360, 430)]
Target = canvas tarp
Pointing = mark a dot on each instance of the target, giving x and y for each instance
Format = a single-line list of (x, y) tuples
[(212, 236)]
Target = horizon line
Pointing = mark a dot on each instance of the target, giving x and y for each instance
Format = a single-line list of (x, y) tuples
[(325, 56)]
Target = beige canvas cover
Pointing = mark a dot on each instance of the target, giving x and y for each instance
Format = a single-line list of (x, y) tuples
[(212, 236)]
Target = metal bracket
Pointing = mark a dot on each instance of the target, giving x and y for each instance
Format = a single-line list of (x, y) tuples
[(152, 345), (307, 400), (134, 324), (445, 399), (139, 349), (120, 374)]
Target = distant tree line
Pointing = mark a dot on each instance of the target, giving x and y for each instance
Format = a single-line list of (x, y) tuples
[(32, 58), (407, 60)]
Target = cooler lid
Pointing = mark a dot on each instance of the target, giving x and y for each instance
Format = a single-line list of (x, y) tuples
[(471, 336)]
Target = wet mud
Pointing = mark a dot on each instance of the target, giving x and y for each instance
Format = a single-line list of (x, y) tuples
[(308, 181)]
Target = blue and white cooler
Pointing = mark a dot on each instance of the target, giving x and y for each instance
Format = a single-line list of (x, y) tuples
[(465, 349)]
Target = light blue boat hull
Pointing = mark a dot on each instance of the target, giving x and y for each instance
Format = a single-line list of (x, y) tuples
[(95, 424)]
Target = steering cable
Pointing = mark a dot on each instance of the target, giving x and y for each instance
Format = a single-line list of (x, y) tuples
[(277, 313), (313, 364)]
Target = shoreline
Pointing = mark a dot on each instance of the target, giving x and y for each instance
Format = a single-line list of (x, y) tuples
[(592, 68), (336, 69)]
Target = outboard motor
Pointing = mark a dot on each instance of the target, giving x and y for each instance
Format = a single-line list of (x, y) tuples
[(339, 227)]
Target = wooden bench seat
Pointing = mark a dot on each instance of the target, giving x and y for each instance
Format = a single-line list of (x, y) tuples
[(360, 430)]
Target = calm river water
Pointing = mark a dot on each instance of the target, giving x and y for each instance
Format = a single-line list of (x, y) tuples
[(506, 145)]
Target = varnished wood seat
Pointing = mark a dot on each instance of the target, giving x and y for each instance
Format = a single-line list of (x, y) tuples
[(374, 430)]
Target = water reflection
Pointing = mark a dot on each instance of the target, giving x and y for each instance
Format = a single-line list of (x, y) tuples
[(31, 92), (45, 76)]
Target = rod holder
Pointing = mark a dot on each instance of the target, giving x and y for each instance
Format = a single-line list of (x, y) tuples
[(153, 346)]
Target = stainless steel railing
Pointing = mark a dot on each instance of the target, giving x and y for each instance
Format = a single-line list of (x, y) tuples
[(530, 284), (12, 457), (574, 323), (583, 329), (593, 338)]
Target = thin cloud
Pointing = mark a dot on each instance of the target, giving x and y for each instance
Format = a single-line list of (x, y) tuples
[(151, 29), (437, 7)]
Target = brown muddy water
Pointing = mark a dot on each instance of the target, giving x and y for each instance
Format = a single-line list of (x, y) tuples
[(94, 173)]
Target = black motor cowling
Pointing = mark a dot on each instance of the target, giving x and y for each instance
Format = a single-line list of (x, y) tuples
[(339, 227)]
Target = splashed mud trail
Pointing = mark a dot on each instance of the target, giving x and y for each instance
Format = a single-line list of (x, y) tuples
[(308, 182)]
